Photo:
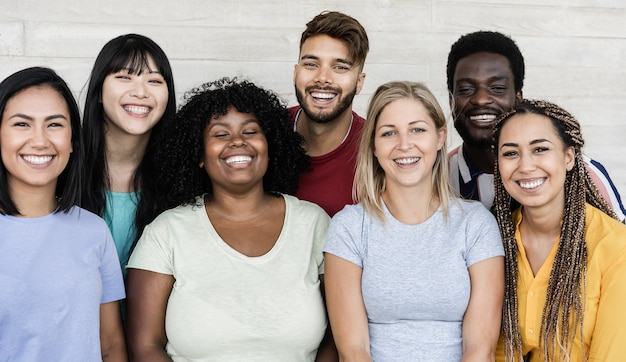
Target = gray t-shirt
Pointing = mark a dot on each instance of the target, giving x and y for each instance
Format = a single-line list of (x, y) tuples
[(415, 280)]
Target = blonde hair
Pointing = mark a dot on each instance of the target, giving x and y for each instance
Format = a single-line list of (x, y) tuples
[(562, 317), (369, 179)]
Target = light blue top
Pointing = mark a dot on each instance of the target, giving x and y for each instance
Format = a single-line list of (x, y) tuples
[(119, 215), (55, 272), (415, 280)]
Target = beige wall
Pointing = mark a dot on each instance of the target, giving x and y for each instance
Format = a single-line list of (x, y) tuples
[(575, 50)]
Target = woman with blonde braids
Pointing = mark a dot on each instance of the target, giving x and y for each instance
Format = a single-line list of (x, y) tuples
[(565, 252)]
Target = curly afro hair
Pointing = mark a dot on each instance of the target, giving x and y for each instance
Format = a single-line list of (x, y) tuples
[(490, 42), (182, 144)]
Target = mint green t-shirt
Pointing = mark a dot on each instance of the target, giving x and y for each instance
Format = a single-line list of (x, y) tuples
[(119, 215)]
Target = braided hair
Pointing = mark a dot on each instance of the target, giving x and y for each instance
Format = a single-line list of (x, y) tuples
[(562, 317)]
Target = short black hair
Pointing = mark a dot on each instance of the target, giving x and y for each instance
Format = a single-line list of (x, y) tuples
[(69, 184), (490, 42), (182, 142)]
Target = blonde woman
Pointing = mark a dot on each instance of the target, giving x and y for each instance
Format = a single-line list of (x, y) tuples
[(412, 272)]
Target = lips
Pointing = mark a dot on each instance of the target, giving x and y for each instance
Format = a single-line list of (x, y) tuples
[(407, 160), (141, 110), (238, 160), (531, 184), (37, 160), (323, 96), (483, 118)]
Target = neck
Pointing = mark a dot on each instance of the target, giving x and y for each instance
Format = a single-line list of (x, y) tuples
[(483, 158), (411, 205), (124, 154), (544, 221), (240, 206), (322, 138), (35, 202)]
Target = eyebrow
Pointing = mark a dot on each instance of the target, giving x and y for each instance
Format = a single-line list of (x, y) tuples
[(410, 124), (224, 124), (490, 79), (30, 118), (338, 60), (533, 142)]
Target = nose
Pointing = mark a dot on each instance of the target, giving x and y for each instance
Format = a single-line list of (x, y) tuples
[(404, 142), (482, 97), (237, 141), (324, 75), (526, 162), (39, 137), (139, 89)]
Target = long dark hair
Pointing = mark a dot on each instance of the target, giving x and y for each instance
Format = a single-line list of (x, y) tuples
[(68, 188), (129, 51)]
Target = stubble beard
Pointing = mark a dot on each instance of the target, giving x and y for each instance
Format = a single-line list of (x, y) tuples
[(329, 116)]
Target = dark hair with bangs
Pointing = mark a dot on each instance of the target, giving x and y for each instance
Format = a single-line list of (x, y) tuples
[(132, 52), (183, 143), (68, 188)]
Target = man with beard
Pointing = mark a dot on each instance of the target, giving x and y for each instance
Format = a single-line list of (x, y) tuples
[(485, 78), (328, 75)]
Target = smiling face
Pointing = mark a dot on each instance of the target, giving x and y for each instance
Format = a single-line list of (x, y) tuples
[(235, 152), (406, 141), (326, 79), (483, 89), (533, 161), (35, 139), (134, 103)]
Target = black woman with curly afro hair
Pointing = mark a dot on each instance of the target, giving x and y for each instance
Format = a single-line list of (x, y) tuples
[(565, 250), (236, 260)]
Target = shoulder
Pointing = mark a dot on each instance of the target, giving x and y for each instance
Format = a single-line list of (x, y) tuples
[(357, 120), (303, 207), (605, 236), (349, 214), (454, 152), (82, 217), (291, 114)]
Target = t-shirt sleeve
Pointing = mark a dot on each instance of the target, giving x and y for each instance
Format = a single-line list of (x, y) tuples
[(345, 238), (483, 237), (319, 238), (153, 251), (110, 270)]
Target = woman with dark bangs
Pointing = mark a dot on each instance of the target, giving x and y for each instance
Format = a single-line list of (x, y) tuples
[(130, 97), (234, 272)]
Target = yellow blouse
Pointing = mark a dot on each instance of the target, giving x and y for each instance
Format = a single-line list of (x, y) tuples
[(604, 329)]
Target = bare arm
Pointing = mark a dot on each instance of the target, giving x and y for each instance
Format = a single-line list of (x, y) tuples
[(481, 323), (112, 343), (146, 303), (327, 351), (346, 309)]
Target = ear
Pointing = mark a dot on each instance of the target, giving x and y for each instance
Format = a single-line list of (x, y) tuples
[(570, 158), (359, 82), (519, 97), (201, 164), (295, 70), (443, 134)]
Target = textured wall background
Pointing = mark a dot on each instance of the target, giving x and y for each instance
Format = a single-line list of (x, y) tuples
[(575, 50)]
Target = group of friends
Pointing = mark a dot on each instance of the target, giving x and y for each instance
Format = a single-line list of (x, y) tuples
[(237, 229)]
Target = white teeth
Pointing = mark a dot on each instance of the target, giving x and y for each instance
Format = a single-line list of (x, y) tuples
[(483, 117), (238, 159), (137, 109), (323, 95), (406, 161), (37, 160), (531, 184)]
